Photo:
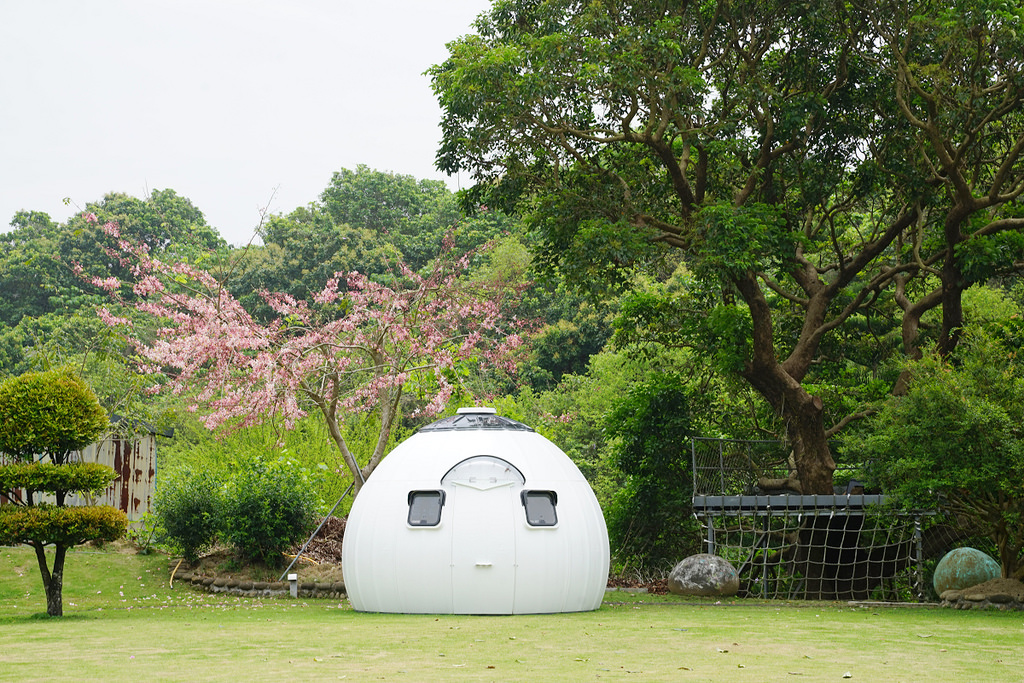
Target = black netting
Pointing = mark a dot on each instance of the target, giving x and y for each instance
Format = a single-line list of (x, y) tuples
[(819, 554), (732, 467), (845, 546)]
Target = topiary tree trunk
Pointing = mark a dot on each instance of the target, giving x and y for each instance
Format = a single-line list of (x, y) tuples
[(53, 580), (62, 527)]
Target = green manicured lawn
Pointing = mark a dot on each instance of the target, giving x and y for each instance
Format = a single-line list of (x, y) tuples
[(123, 622)]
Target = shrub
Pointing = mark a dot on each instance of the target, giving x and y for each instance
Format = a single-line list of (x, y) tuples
[(188, 505), (308, 444), (955, 440), (268, 506)]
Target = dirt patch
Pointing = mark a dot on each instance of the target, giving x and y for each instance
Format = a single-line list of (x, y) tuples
[(1011, 587), (654, 586), (122, 546)]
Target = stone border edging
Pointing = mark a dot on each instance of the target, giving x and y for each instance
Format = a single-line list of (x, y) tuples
[(965, 599), (306, 589)]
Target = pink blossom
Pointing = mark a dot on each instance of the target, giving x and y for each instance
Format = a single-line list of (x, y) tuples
[(238, 371), (148, 285), (109, 284), (110, 319)]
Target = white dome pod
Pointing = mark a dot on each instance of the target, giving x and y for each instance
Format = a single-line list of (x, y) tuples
[(476, 514)]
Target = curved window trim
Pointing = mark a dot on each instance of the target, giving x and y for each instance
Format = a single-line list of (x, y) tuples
[(531, 519), (482, 455), (426, 524)]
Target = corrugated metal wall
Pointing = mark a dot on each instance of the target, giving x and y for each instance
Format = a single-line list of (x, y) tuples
[(135, 464)]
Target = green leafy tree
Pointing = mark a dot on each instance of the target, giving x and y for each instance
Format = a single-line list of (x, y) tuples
[(38, 256), (28, 270), (956, 440), (567, 345), (571, 329), (168, 222), (413, 215), (814, 164), (301, 252), (364, 220), (44, 417), (650, 521)]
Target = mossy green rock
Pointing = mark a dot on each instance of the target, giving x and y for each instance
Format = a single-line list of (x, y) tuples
[(962, 568)]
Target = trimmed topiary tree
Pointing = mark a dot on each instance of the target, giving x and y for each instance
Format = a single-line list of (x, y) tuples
[(48, 415), (44, 418)]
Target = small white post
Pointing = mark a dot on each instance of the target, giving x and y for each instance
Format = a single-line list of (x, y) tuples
[(293, 584)]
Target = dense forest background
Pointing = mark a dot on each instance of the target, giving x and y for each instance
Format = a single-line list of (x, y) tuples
[(621, 403)]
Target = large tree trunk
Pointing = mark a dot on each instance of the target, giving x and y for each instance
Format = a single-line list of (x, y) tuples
[(814, 463), (781, 387), (1008, 537), (952, 286), (805, 426)]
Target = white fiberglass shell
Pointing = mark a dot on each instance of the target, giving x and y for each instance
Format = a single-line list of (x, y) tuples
[(489, 520)]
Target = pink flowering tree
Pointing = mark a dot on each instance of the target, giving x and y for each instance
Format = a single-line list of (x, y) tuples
[(353, 348)]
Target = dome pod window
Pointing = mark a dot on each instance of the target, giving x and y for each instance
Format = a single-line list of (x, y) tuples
[(540, 507), (425, 507)]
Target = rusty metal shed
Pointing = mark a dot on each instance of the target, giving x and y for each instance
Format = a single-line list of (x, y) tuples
[(134, 460)]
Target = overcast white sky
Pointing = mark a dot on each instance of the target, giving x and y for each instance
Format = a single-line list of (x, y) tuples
[(224, 101)]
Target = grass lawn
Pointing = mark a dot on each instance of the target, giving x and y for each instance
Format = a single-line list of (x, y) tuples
[(123, 622)]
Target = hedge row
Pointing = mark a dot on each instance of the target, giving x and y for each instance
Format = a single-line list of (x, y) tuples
[(261, 509)]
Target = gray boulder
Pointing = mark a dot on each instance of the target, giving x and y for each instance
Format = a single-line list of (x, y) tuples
[(704, 574)]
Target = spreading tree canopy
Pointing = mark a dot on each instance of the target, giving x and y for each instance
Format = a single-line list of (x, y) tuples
[(815, 164)]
